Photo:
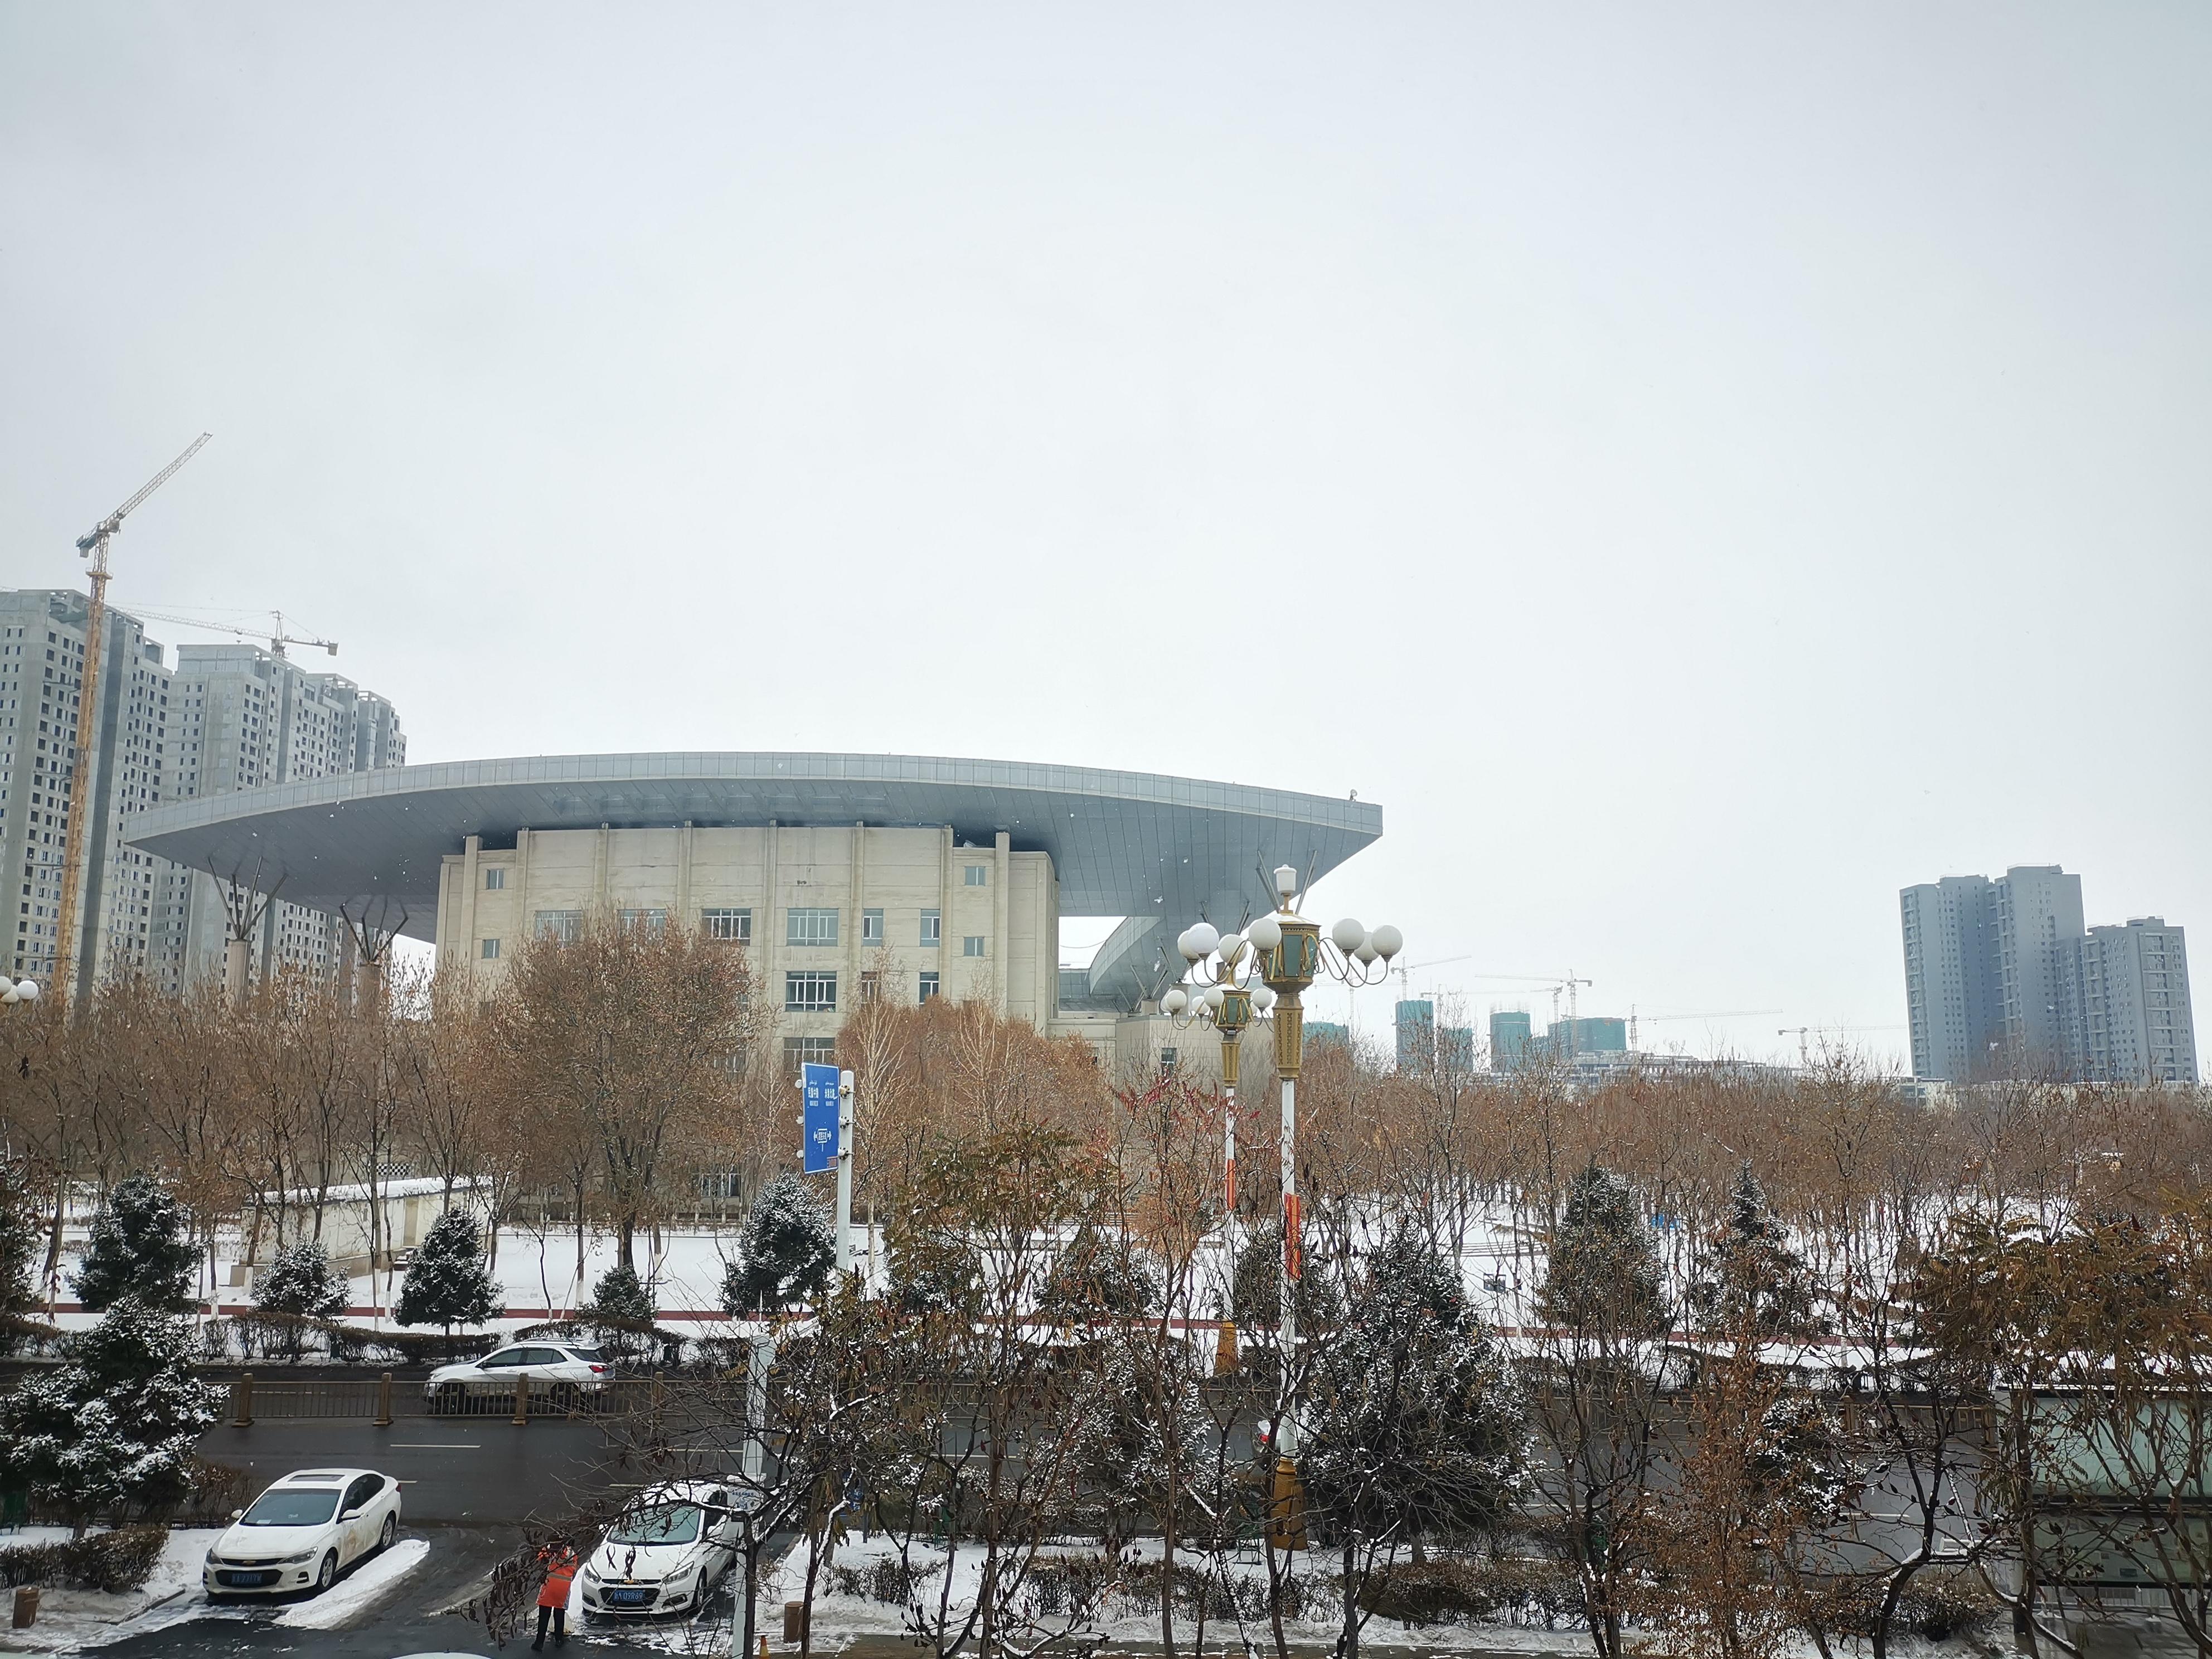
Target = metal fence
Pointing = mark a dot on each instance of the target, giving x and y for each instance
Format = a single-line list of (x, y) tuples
[(380, 1400)]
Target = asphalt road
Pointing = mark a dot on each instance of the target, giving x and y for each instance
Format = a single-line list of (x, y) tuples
[(481, 1471)]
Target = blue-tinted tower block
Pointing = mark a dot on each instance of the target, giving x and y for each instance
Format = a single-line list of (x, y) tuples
[(1417, 1035), (1510, 1037)]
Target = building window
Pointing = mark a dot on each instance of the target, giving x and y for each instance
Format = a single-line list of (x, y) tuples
[(495, 878), (1167, 1059), (654, 921), (809, 926), (803, 1051), (978, 875), (810, 992), (933, 929), (566, 926), (926, 987), (734, 925), (870, 985), (972, 946), (489, 949), (872, 928)]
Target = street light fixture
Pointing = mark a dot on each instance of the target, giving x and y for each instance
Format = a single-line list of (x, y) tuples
[(20, 991), (1287, 955)]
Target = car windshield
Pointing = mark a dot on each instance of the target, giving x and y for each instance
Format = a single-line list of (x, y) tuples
[(660, 1523), (589, 1356), (305, 1506)]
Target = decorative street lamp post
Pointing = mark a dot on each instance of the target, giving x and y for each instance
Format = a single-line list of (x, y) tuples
[(1289, 954), (1230, 1008)]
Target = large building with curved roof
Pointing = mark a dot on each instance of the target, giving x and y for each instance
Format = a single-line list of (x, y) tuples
[(846, 875)]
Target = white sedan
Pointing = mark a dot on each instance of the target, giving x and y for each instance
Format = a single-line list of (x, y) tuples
[(303, 1531), (666, 1550), (558, 1369)]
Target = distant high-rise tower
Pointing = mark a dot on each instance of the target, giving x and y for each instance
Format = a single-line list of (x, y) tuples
[(1417, 1035), (1510, 1037), (1950, 978), (42, 639), (243, 718), (2003, 979), (2137, 1026), (227, 717)]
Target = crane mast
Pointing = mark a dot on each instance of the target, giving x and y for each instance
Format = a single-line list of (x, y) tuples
[(91, 545)]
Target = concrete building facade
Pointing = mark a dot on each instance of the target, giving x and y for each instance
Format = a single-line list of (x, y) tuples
[(831, 914), (844, 876)]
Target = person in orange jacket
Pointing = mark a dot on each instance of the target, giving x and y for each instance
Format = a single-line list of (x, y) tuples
[(559, 1562)]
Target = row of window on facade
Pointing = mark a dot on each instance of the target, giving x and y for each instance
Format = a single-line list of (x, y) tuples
[(806, 928)]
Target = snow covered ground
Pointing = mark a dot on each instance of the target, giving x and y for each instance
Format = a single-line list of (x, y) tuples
[(70, 1619), (369, 1582)]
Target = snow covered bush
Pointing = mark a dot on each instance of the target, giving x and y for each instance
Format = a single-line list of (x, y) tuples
[(302, 1282), (110, 1561), (621, 1295), (785, 1250), (139, 1249), (114, 1426)]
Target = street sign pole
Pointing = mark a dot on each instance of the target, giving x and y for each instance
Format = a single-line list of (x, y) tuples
[(845, 1172)]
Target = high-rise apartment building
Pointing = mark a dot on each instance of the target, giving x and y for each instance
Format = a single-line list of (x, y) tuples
[(42, 633), (244, 718), (227, 717), (2001, 978), (2135, 1012), (1950, 978)]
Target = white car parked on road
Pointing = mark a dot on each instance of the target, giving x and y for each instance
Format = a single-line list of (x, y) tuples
[(560, 1370), (303, 1531), (667, 1550)]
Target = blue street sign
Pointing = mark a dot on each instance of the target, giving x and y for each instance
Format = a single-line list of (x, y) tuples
[(820, 1145)]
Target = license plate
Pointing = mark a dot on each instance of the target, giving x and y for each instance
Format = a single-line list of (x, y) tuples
[(247, 1580), (630, 1598)]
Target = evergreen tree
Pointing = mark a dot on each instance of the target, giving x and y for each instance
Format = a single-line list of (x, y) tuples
[(116, 1424), (449, 1284), (1416, 1424), (1096, 1276), (302, 1281), (1754, 1277), (785, 1250), (20, 1243), (621, 1294), (1255, 1295), (138, 1249), (1603, 1271)]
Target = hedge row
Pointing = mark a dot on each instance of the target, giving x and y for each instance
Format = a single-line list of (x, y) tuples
[(112, 1561)]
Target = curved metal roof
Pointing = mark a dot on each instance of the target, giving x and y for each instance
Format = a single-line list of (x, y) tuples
[(1130, 844)]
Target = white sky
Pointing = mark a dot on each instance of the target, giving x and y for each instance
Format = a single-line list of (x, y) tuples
[(1698, 468)]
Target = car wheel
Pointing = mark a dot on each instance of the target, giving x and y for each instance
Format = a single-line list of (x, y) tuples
[(452, 1398), (391, 1531), (564, 1398), (329, 1574)]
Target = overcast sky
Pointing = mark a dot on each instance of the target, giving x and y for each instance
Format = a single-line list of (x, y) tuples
[(1699, 468)]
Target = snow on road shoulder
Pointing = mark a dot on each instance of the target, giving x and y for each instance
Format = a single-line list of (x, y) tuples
[(349, 1596)]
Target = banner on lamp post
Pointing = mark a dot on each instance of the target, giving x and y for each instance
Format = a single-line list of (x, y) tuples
[(819, 1120)]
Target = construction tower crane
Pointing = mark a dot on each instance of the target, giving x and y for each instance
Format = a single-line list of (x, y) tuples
[(93, 545), (278, 638), (1717, 1013)]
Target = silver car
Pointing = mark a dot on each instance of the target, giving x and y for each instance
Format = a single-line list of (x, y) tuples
[(559, 1373)]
